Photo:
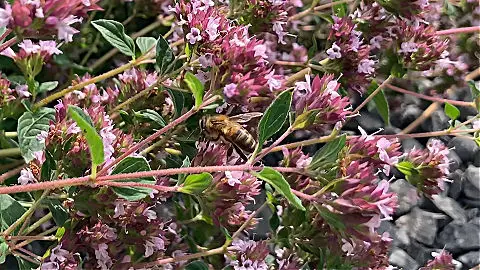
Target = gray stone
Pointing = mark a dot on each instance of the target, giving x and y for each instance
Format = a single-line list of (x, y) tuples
[(405, 192), (456, 186), (402, 239), (464, 147), (459, 238), (401, 259), (409, 144), (422, 225), (438, 121), (369, 121), (420, 252), (475, 221), (450, 207), (455, 161), (470, 259), (476, 159), (471, 187), (473, 213)]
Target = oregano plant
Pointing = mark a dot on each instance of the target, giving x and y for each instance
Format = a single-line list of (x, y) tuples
[(204, 134)]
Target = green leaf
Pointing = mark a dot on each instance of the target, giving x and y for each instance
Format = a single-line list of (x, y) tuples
[(332, 219), (181, 177), (276, 179), (164, 55), (340, 10), (405, 167), (196, 86), (10, 211), (305, 119), (145, 43), (25, 265), (151, 115), (31, 125), (114, 33), (381, 103), (59, 213), (47, 86), (474, 88), (196, 183), (225, 232), (274, 117), (328, 153), (197, 265), (131, 165), (178, 100), (95, 143), (3, 251), (451, 111)]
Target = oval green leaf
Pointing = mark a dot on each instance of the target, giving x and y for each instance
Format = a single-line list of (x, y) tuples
[(281, 185), (274, 117), (164, 55), (196, 86), (196, 183), (114, 33), (95, 143), (131, 165), (30, 126), (145, 43)]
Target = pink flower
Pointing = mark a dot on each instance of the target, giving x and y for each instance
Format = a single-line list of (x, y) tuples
[(153, 244), (442, 261), (366, 66), (320, 102), (65, 31), (193, 36), (334, 51), (230, 90), (22, 91), (6, 15), (102, 256), (26, 177)]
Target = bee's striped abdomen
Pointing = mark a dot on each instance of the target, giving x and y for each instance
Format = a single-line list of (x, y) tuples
[(244, 140)]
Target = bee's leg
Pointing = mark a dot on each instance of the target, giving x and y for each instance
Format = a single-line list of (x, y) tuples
[(239, 152)]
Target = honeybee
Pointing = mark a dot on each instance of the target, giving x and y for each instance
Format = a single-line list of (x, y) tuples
[(230, 129)]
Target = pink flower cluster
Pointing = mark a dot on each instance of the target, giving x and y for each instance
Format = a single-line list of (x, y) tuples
[(429, 167), (240, 59), (37, 18), (230, 192), (319, 102), (248, 255), (349, 52)]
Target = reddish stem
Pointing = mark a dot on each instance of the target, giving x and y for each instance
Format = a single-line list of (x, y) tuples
[(11, 173), (434, 99), (7, 32), (8, 43), (304, 196), (277, 142), (102, 180), (460, 30)]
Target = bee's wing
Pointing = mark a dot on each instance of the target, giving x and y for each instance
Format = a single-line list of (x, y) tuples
[(243, 118)]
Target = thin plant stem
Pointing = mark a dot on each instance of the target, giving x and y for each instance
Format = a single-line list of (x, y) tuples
[(372, 95), (28, 241), (245, 224), (297, 76), (12, 227), (59, 183), (37, 224), (31, 254), (277, 142), (4, 35), (11, 173), (11, 134), (434, 99), (27, 258), (10, 152), (329, 138), (434, 106), (8, 43), (93, 80), (32, 237), (461, 30)]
